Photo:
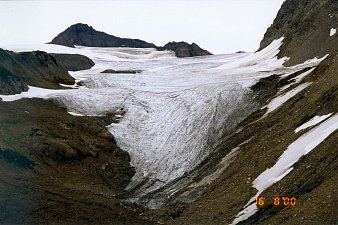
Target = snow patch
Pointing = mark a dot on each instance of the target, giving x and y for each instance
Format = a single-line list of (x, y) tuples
[(264, 60), (302, 146), (312, 122), (245, 213), (297, 79), (287, 71), (333, 32), (279, 100), (76, 114), (34, 92)]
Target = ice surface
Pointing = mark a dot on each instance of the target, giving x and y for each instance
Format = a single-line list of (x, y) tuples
[(333, 31), (33, 92), (312, 122), (302, 146), (264, 60), (177, 109)]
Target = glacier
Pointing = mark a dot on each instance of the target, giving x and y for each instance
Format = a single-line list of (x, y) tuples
[(175, 110)]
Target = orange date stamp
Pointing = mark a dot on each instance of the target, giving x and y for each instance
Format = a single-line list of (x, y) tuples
[(277, 201)]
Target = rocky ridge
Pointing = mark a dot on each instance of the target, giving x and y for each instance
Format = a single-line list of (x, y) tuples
[(306, 26), (84, 35), (183, 49), (73, 62), (30, 68), (19, 70)]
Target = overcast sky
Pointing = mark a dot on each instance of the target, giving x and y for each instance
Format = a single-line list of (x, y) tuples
[(220, 26)]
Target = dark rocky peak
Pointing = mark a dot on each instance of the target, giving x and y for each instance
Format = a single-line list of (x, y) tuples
[(184, 49), (306, 26), (81, 27), (84, 35)]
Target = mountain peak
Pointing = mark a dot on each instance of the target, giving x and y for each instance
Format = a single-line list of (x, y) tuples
[(85, 35), (80, 27), (306, 27)]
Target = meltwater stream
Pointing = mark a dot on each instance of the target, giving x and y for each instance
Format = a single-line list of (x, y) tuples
[(176, 109)]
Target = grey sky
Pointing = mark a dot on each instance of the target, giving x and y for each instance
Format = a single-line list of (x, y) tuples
[(218, 26)]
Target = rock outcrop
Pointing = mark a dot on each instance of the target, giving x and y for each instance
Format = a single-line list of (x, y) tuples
[(183, 49), (18, 70), (84, 35), (11, 83), (121, 71), (73, 62), (59, 167), (306, 26)]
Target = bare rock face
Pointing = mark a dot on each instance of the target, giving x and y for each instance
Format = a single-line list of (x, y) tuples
[(183, 49), (30, 68), (84, 35), (74, 62), (306, 26), (11, 83)]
